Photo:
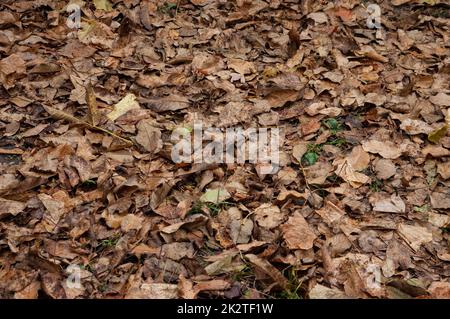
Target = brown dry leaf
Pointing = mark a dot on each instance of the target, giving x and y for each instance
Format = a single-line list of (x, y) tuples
[(347, 168), (91, 101), (170, 103), (330, 213), (414, 127), (54, 211), (440, 199), (441, 99), (388, 204), (439, 290), (444, 170), (11, 207), (241, 66), (178, 251), (153, 291), (131, 222), (297, 233), (370, 52), (268, 216), (318, 173), (239, 229), (268, 269), (387, 149), (211, 285), (385, 169), (435, 151), (322, 292), (149, 136), (415, 236), (29, 292), (34, 131)]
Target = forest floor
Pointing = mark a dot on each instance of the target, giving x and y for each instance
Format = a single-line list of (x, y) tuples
[(94, 205)]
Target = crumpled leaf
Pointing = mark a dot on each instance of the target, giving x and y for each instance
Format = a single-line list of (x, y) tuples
[(169, 103)]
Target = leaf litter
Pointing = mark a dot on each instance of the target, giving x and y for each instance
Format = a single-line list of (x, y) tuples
[(359, 208)]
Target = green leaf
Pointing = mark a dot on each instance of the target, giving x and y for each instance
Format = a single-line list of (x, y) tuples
[(333, 125), (310, 158)]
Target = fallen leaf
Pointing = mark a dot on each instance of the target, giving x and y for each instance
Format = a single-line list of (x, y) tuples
[(268, 216), (386, 149), (126, 104), (392, 204), (149, 137), (415, 236), (268, 269), (297, 233), (215, 196)]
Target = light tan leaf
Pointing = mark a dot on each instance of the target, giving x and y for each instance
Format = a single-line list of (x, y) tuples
[(444, 169), (347, 168), (321, 292), (415, 236), (215, 196), (127, 103), (11, 207), (392, 204), (387, 149), (414, 127), (268, 216), (385, 168), (241, 66), (153, 291), (131, 222)]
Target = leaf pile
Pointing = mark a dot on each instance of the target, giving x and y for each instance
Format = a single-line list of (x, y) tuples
[(359, 208)]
